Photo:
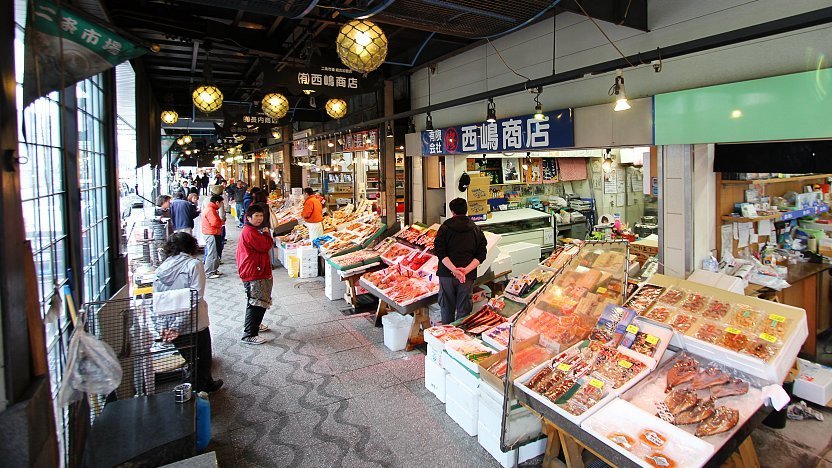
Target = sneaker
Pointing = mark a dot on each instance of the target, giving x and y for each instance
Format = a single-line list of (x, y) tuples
[(264, 327), (252, 340), (213, 276)]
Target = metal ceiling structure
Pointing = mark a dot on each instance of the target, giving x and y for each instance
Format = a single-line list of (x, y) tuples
[(249, 37)]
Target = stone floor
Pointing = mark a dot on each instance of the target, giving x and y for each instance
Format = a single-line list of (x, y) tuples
[(326, 392)]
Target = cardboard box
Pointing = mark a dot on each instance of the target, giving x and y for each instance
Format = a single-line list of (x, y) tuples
[(477, 208), (480, 188), (645, 247)]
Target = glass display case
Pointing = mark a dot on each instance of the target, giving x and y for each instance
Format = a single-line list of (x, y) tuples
[(522, 225)]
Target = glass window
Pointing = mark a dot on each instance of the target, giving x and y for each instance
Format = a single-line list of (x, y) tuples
[(92, 179)]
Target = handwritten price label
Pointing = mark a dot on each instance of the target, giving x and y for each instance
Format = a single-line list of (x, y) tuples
[(650, 339), (596, 383), (776, 318), (632, 329), (769, 338), (601, 290), (625, 364), (733, 331), (564, 367)]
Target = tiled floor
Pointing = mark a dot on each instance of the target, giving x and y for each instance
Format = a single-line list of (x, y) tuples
[(326, 392)]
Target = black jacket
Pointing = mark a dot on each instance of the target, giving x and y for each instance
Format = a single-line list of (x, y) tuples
[(460, 240)]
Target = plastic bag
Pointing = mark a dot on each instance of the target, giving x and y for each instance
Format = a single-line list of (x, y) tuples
[(294, 266), (800, 411), (92, 368)]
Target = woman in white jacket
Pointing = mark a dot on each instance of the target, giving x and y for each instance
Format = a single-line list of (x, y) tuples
[(181, 270)]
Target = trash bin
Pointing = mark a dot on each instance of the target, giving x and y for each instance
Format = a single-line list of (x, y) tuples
[(396, 330)]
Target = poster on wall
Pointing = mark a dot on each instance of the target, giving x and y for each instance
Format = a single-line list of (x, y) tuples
[(533, 172), (511, 171), (611, 182), (550, 170), (555, 130)]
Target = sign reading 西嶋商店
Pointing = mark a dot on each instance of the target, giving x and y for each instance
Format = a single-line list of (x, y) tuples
[(505, 135), (324, 79)]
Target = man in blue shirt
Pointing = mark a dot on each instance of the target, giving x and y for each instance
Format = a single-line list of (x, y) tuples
[(182, 213)]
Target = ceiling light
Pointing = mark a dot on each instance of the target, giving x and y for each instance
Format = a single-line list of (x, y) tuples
[(428, 122), (401, 147), (617, 90), (169, 116), (187, 139), (411, 125), (538, 107), (389, 131), (608, 162), (276, 133), (336, 108), (330, 144), (341, 141), (275, 105), (188, 152), (361, 46), (207, 98), (483, 156), (180, 141), (491, 114)]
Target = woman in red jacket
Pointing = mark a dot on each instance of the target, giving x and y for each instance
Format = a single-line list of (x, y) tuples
[(212, 230), (255, 270)]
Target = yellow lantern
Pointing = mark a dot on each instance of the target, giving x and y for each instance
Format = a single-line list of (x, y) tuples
[(180, 141), (361, 45), (336, 108), (275, 105), (170, 117), (276, 133), (207, 98), (187, 139)]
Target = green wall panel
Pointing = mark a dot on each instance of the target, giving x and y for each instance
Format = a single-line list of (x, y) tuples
[(788, 107)]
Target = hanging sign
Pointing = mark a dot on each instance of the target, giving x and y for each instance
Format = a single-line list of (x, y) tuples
[(361, 141), (300, 143), (505, 135), (324, 79)]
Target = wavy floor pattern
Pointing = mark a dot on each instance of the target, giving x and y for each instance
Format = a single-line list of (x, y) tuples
[(324, 391)]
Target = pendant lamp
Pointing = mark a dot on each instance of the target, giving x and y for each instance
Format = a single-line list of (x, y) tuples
[(361, 45)]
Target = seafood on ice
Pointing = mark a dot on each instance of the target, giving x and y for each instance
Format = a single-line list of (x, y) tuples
[(702, 410), (684, 370), (730, 388), (708, 378), (723, 420), (680, 400)]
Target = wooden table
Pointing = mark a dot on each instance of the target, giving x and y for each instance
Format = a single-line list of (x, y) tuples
[(810, 291), (419, 309)]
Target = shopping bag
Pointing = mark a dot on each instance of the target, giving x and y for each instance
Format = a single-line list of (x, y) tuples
[(92, 367), (294, 266), (234, 211)]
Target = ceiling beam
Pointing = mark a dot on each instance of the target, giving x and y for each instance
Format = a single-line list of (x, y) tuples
[(194, 57)]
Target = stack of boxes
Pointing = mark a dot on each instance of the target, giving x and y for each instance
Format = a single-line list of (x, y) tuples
[(308, 256), (334, 286), (478, 193)]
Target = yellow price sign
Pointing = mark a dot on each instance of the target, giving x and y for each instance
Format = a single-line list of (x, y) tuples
[(625, 364), (733, 331), (651, 339), (776, 318), (632, 329), (564, 367), (768, 337), (601, 290), (596, 383)]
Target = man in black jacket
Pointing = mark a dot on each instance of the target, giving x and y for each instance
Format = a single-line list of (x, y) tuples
[(460, 246)]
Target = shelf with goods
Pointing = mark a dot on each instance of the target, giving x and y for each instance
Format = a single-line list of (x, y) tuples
[(340, 188), (730, 193)]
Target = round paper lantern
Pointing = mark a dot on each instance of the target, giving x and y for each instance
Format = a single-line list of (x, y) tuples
[(336, 108), (187, 139), (170, 117), (207, 98), (361, 45), (275, 105)]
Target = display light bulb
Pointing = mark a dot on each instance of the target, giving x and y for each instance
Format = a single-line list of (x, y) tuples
[(187, 139), (538, 112), (330, 144), (617, 90), (607, 164), (621, 104), (492, 112)]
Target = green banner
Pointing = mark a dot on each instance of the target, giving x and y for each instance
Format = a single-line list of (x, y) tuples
[(64, 46)]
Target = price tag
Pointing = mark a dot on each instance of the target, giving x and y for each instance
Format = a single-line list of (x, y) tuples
[(601, 290), (733, 331), (596, 383), (564, 367), (632, 329), (625, 364), (769, 338), (776, 318), (651, 339)]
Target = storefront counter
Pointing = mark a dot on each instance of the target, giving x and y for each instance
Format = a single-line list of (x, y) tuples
[(809, 290)]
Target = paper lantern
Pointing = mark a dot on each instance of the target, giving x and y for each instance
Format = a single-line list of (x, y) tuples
[(170, 117), (336, 108), (361, 45), (275, 105), (207, 98)]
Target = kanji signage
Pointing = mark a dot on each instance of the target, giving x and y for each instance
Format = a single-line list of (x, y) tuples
[(327, 80), (64, 46), (505, 135), (361, 141)]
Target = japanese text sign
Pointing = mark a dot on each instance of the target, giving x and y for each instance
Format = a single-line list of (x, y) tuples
[(328, 80), (504, 135)]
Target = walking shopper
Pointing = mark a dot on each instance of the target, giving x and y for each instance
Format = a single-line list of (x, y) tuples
[(223, 212), (239, 197), (256, 272), (460, 247), (181, 270), (313, 213), (182, 213), (212, 230)]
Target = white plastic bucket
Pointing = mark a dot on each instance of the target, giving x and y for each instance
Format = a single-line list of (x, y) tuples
[(396, 330)]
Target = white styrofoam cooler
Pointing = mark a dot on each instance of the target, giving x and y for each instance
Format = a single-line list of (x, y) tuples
[(462, 404), (520, 423), (462, 374), (334, 286), (814, 383), (491, 443), (435, 377), (522, 252)]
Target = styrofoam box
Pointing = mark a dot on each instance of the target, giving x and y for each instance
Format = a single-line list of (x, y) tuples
[(523, 268), (462, 404), (621, 416), (520, 422), (434, 352), (500, 264), (814, 383), (435, 377), (521, 252), (461, 373), (491, 444)]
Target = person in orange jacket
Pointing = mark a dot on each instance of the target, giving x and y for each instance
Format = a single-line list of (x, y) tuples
[(212, 229), (313, 213)]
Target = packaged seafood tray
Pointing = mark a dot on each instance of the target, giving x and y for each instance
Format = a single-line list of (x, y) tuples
[(395, 253), (644, 298), (481, 320), (351, 260), (411, 233), (415, 260), (560, 257), (701, 397), (439, 335), (741, 340), (498, 335), (524, 288), (584, 378), (468, 353), (527, 354), (415, 292), (646, 440), (427, 237)]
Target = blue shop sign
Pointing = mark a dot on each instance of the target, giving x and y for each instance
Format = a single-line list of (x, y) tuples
[(556, 130)]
